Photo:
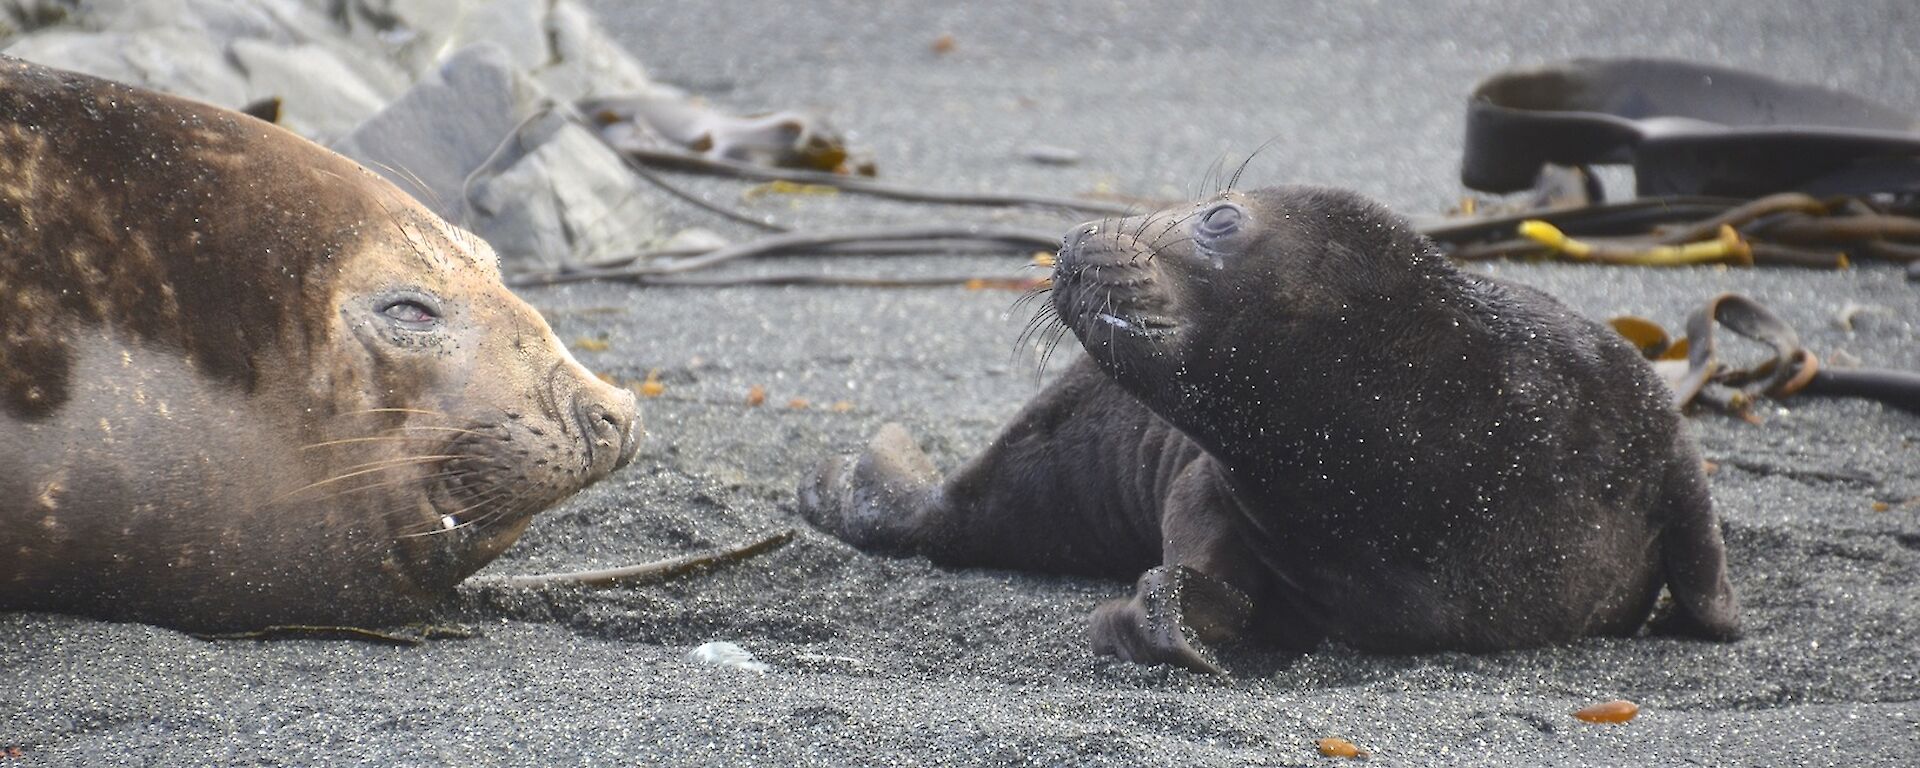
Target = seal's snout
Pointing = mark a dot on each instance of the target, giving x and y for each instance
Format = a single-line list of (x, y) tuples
[(609, 422), (1076, 238)]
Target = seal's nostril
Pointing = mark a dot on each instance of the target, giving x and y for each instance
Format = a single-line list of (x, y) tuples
[(608, 427), (1078, 236)]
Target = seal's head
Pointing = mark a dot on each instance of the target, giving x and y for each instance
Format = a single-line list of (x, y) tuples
[(1222, 299), (244, 381)]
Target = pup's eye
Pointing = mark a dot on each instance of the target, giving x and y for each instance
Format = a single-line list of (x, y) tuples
[(1222, 220)]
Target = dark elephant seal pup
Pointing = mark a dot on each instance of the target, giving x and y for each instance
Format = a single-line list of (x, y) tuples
[(1301, 422), (245, 382)]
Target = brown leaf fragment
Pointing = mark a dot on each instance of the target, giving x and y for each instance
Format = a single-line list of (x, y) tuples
[(1645, 335), (1338, 747), (590, 344), (652, 386), (944, 44), (1616, 711), (756, 396)]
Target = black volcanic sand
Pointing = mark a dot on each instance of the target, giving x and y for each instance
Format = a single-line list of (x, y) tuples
[(898, 662)]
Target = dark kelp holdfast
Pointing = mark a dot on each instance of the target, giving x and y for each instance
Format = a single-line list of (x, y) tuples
[(1687, 129), (1730, 167), (1696, 371)]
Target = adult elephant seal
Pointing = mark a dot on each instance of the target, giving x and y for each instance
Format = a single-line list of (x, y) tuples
[(1301, 422), (245, 382)]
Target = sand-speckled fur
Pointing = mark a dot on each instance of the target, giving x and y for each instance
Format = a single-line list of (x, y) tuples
[(207, 421), (1302, 423)]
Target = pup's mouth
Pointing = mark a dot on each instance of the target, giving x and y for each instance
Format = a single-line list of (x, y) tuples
[(1138, 325), (1105, 282)]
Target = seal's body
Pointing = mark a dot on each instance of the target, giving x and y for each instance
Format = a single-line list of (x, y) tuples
[(245, 382), (1302, 423)]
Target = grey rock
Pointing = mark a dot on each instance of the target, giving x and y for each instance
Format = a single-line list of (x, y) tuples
[(444, 127), (171, 59), (225, 52), (542, 192), (517, 26), (372, 77), (585, 62), (567, 201), (321, 97)]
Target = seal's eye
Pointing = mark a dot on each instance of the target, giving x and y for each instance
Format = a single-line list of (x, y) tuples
[(411, 311), (1220, 221)]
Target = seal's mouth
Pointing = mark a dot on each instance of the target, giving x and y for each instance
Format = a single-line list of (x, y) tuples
[(1139, 325), (480, 485)]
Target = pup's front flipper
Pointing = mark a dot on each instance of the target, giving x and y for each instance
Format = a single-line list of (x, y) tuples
[(1175, 612), (874, 500)]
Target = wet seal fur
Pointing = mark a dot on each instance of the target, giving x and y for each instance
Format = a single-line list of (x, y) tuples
[(245, 382), (1302, 423)]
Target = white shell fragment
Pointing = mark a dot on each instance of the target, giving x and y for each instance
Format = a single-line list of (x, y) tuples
[(724, 654)]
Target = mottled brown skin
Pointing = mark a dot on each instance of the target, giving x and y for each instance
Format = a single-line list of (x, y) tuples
[(1301, 423), (245, 382)]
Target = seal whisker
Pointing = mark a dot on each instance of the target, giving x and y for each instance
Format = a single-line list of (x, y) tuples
[(372, 467), (413, 179), (439, 525), (365, 411), (1154, 253), (437, 428), (393, 481), (491, 496), (1174, 221), (1060, 331), (356, 440), (1045, 319), (1145, 221), (1212, 177), (1032, 294), (418, 459), (1244, 163), (512, 507), (1033, 324)]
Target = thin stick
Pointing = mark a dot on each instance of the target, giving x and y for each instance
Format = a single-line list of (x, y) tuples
[(849, 248), (662, 158), (641, 170), (857, 281), (798, 240), (659, 570)]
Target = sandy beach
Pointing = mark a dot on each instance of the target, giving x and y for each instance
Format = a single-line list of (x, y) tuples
[(877, 661)]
